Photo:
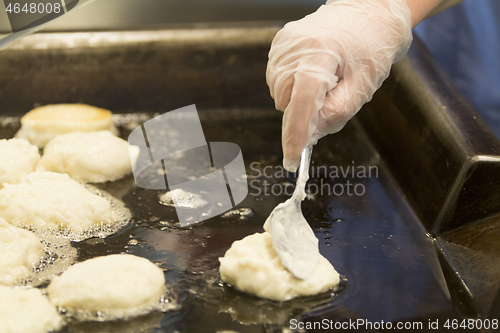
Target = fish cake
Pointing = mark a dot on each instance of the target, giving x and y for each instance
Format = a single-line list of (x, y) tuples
[(20, 251), (94, 157), (120, 286), (25, 310), (253, 266), (53, 201), (44, 123), (17, 159)]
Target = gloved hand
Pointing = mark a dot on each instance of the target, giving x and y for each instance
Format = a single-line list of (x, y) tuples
[(324, 67)]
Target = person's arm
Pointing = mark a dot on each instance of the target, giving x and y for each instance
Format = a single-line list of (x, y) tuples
[(323, 68), (422, 9)]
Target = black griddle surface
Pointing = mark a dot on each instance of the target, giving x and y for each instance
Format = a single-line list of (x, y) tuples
[(391, 266)]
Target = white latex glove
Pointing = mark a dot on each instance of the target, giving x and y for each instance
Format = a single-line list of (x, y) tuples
[(324, 67)]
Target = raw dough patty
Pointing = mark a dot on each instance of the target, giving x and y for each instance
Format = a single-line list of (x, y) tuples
[(119, 285), (20, 250), (17, 158), (44, 123), (253, 266), (49, 200), (94, 157), (26, 311)]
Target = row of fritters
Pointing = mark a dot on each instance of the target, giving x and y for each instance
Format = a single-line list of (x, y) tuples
[(104, 288), (39, 200), (46, 193), (95, 156), (117, 286)]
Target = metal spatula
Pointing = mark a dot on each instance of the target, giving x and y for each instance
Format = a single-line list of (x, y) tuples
[(291, 235)]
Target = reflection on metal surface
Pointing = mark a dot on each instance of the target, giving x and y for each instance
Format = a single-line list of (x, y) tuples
[(152, 71), (145, 324), (439, 157)]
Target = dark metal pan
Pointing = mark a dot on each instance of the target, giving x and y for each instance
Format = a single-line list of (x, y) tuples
[(416, 246)]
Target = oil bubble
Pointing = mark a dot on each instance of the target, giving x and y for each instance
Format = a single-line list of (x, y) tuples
[(183, 199), (240, 213), (133, 242)]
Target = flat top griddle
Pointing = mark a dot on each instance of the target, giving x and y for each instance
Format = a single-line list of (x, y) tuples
[(421, 244), (389, 265)]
